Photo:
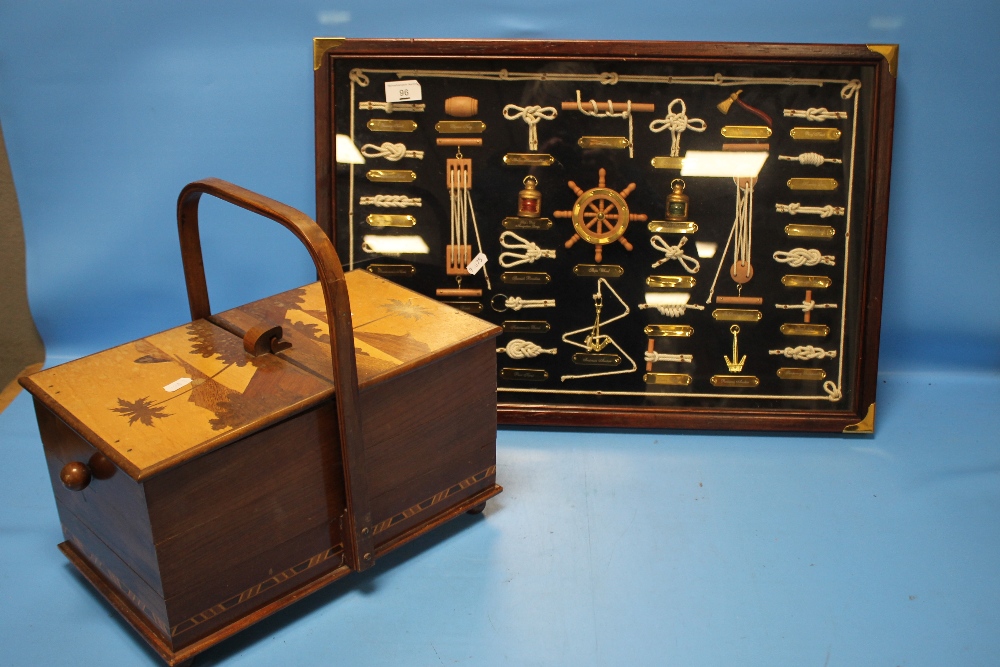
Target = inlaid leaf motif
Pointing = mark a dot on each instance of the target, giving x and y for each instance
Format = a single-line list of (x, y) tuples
[(229, 349), (409, 310), (310, 330), (141, 410)]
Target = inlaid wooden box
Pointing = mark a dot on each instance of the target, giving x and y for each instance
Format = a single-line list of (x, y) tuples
[(208, 475)]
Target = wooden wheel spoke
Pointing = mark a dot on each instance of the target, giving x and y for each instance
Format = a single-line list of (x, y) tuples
[(593, 206)]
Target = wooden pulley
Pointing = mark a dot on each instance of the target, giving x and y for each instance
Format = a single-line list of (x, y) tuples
[(461, 106)]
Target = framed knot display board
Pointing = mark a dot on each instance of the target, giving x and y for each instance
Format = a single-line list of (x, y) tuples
[(671, 235)]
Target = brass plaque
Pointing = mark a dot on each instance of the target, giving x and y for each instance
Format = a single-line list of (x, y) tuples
[(530, 374), (667, 162), (811, 231), (383, 220), (596, 359), (746, 131), (671, 227), (460, 126), (805, 330), (806, 281), (526, 326), (386, 125), (815, 133), (528, 160), (598, 270), (669, 330), (471, 307), (678, 379), (812, 184), (735, 381), (737, 315), (391, 176), (602, 142), (393, 270), (801, 373), (525, 278), (538, 224), (682, 282)]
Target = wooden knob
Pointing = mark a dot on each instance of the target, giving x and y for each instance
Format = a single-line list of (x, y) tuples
[(101, 466), (75, 476)]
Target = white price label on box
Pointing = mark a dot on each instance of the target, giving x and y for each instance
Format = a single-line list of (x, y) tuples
[(402, 91), (477, 263)]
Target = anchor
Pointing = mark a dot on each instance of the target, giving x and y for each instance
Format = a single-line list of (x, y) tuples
[(735, 366), (594, 341)]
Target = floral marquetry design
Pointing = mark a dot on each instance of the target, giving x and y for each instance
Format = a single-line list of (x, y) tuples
[(141, 410)]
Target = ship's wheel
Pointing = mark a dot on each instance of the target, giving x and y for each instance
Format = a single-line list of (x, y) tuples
[(600, 215)]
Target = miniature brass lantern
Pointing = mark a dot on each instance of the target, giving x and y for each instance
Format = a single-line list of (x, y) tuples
[(529, 200), (677, 201)]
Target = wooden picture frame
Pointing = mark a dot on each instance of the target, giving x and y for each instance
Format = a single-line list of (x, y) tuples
[(783, 155)]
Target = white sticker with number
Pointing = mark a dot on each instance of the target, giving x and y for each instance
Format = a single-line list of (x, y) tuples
[(177, 384), (478, 262), (402, 91)]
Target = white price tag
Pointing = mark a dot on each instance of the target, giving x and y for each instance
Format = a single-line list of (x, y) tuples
[(177, 384), (402, 91), (478, 262)]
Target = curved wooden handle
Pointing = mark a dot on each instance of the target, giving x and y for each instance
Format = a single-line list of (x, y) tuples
[(358, 541)]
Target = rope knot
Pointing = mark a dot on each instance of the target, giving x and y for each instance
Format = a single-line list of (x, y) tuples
[(690, 264), (848, 91), (358, 77), (608, 78), (390, 151), (677, 122), (530, 253), (531, 115)]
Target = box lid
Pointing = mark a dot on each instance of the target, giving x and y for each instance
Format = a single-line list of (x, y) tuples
[(395, 329)]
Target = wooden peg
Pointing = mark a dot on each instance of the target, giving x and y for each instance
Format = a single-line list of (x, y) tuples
[(458, 292), (809, 297), (750, 300), (650, 348), (615, 107), (459, 141)]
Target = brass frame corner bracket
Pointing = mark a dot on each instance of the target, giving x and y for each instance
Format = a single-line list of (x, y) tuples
[(865, 426), (321, 45), (890, 52)]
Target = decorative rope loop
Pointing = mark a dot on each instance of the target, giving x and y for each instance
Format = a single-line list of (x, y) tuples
[(797, 257), (672, 309), (391, 201), (805, 306), (804, 353), (531, 115), (690, 264), (359, 77), (517, 303), (848, 91), (530, 254), (390, 151), (815, 114), (596, 113), (822, 211), (524, 349), (810, 159), (389, 107), (832, 391), (677, 122), (661, 356)]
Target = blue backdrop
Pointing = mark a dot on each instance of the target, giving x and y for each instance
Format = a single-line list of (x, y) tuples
[(110, 107)]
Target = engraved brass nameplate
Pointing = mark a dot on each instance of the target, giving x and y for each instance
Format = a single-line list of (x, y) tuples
[(471, 307), (528, 160), (811, 231), (736, 315), (596, 359), (598, 270), (683, 282), (669, 330), (671, 227), (385, 125), (525, 278), (391, 176), (812, 184), (677, 379), (526, 326), (459, 126), (746, 131), (735, 381), (602, 142), (538, 224), (815, 133), (806, 281), (667, 162), (395, 270), (531, 374), (801, 373), (805, 330), (383, 220)]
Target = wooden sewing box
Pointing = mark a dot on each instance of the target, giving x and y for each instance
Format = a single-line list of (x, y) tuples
[(209, 475)]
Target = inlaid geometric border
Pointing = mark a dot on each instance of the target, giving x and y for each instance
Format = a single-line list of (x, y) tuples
[(433, 500), (254, 591)]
